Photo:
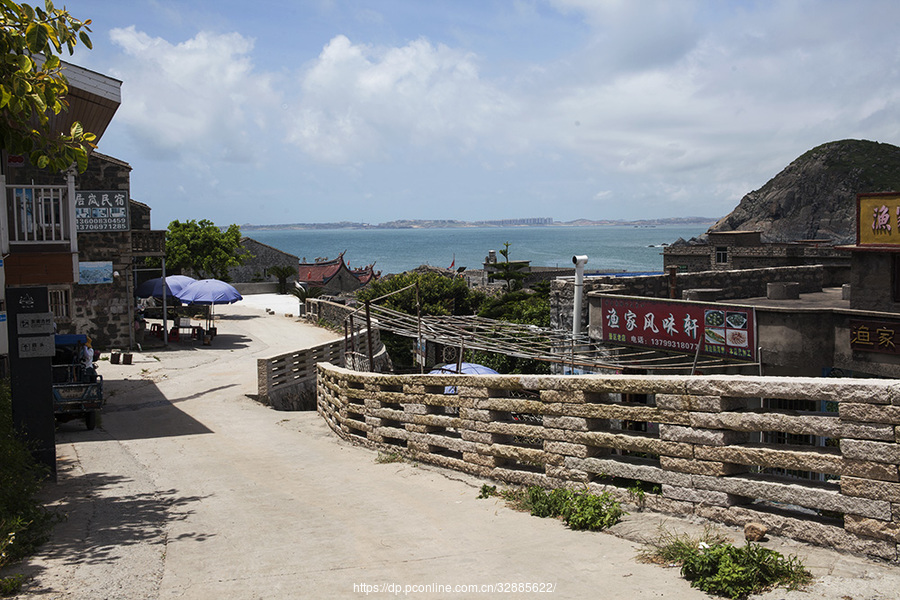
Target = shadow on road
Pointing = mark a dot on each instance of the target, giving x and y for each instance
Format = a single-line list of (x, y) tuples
[(137, 409), (102, 517)]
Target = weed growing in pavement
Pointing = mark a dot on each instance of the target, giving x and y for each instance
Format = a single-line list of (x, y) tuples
[(579, 510), (389, 457), (717, 567)]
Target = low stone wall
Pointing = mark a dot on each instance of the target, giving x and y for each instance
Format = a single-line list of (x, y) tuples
[(695, 438), (261, 287), (288, 381)]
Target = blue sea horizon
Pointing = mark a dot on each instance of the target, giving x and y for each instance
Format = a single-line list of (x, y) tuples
[(609, 247)]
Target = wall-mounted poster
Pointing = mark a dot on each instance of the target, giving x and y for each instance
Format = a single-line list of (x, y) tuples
[(101, 210), (677, 326), (95, 272)]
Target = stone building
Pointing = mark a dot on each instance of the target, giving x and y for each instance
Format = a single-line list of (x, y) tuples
[(737, 250), (261, 257), (99, 302)]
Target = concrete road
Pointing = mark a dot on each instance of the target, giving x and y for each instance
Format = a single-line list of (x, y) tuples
[(190, 489)]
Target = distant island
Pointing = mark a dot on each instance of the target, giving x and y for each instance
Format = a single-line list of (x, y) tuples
[(447, 223)]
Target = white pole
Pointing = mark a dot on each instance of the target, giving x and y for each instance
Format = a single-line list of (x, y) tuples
[(579, 262)]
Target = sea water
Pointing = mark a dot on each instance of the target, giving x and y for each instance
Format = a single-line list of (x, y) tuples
[(608, 247)]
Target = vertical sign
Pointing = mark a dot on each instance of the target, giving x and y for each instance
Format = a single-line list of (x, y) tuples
[(30, 348)]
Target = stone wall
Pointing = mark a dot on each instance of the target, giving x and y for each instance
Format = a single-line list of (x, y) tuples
[(262, 257), (697, 439), (104, 311)]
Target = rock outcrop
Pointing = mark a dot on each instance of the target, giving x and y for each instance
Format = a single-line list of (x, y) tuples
[(814, 197)]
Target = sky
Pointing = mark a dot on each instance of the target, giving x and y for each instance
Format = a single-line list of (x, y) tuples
[(294, 111)]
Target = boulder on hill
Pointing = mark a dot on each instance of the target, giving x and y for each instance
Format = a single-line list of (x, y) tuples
[(814, 197)]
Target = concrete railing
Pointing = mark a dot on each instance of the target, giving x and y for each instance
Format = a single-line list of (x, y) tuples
[(681, 445), (288, 381)]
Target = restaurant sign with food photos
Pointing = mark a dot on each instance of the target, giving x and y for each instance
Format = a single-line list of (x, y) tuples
[(677, 326)]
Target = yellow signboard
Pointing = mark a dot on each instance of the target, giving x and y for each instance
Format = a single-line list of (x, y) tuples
[(878, 219)]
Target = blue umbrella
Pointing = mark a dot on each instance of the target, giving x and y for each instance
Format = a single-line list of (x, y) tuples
[(209, 292), (464, 368), (154, 287)]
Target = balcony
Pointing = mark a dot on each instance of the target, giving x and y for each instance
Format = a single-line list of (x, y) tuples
[(148, 243), (39, 216), (37, 234)]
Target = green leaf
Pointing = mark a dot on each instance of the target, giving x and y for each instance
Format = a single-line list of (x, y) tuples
[(36, 37), (81, 159), (85, 39), (76, 131), (5, 96)]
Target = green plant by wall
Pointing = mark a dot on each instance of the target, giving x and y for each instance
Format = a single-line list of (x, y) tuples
[(579, 510), (717, 567), (24, 523)]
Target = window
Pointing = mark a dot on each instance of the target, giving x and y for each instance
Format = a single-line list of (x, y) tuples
[(60, 303), (721, 254)]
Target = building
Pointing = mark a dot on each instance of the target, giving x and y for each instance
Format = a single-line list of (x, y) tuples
[(738, 250), (255, 269), (334, 277)]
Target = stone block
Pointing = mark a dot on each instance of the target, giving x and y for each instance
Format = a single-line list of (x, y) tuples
[(700, 467), (686, 494), (819, 460), (699, 403), (869, 413), (571, 423), (871, 451), (707, 437), (871, 470), (873, 528), (609, 467), (867, 488), (567, 449), (476, 436)]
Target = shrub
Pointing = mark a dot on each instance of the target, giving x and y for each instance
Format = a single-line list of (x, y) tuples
[(24, 523), (578, 510), (719, 568)]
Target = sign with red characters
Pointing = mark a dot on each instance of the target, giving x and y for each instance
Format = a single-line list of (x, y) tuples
[(672, 325)]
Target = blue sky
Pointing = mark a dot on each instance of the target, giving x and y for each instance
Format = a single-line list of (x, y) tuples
[(287, 111)]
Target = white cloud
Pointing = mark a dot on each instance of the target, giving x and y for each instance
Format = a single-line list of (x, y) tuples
[(198, 100), (360, 101)]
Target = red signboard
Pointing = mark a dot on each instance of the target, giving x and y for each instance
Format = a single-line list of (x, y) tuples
[(721, 330), (875, 336)]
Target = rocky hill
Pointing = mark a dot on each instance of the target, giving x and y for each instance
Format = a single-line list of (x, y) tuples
[(814, 197)]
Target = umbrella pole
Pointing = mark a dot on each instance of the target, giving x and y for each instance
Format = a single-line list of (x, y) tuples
[(164, 309)]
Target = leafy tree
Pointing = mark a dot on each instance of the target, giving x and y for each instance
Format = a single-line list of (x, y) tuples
[(203, 248), (510, 271), (33, 86), (438, 295), (521, 306)]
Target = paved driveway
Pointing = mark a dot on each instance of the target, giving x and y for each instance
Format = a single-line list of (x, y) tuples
[(191, 489)]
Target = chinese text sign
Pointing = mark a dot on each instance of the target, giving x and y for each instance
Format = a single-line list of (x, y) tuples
[(101, 210), (722, 331)]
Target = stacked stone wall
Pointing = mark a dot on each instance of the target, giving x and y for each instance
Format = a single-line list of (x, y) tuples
[(696, 441), (104, 311)]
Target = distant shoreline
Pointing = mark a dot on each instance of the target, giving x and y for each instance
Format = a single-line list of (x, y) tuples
[(449, 224)]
